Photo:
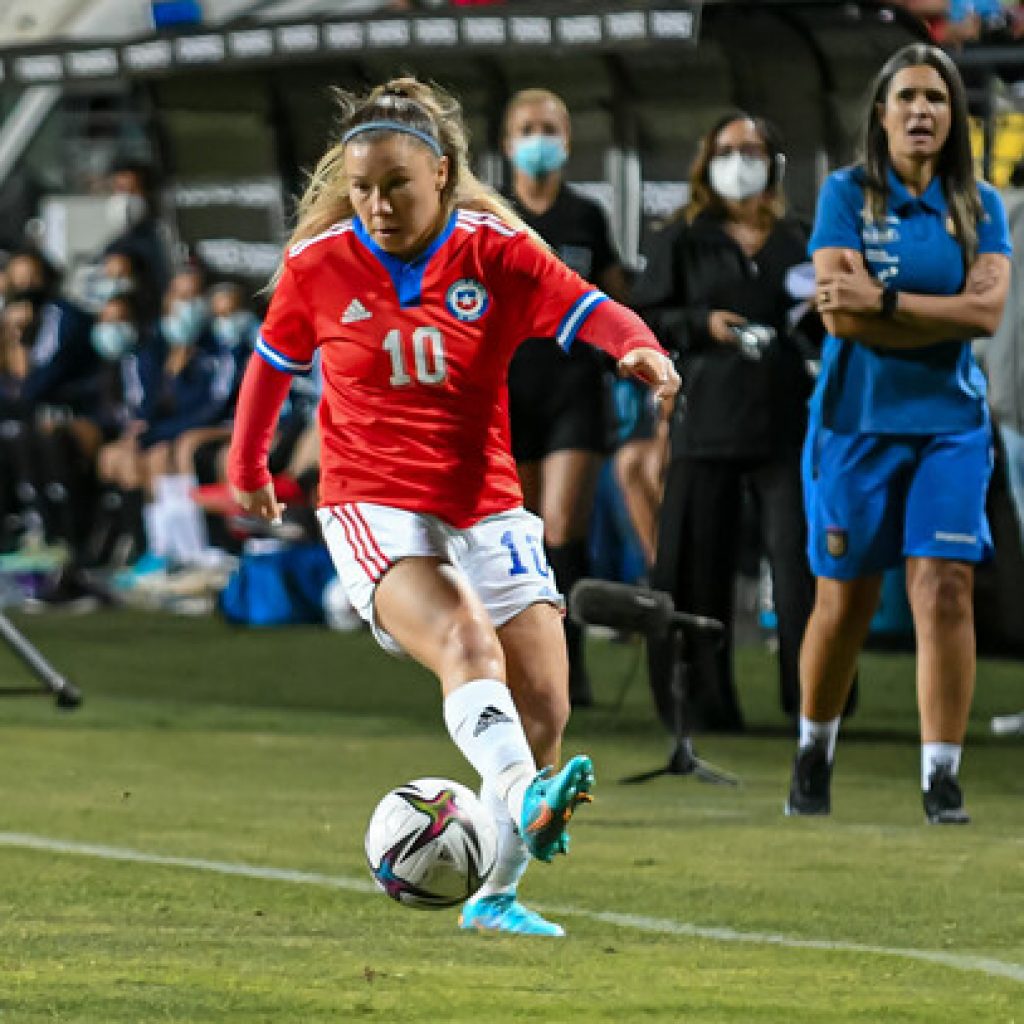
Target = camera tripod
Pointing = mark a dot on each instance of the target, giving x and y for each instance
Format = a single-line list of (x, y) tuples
[(66, 694), (682, 760)]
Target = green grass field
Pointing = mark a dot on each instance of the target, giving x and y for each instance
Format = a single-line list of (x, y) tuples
[(205, 751)]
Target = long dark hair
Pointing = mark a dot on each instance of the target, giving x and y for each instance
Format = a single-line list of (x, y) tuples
[(955, 166), (703, 196)]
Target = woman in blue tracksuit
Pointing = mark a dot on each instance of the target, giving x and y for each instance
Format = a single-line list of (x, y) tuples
[(911, 260)]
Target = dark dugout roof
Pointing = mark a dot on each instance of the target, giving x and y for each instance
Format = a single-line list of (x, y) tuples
[(274, 34)]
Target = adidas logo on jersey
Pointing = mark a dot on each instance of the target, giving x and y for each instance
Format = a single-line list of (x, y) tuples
[(355, 312), (488, 717)]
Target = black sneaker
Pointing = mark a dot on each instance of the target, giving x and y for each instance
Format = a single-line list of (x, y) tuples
[(809, 788), (943, 799)]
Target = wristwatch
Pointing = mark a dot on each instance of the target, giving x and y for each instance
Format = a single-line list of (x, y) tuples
[(889, 299)]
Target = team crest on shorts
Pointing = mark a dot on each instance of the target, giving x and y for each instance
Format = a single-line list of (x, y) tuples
[(835, 541), (467, 300)]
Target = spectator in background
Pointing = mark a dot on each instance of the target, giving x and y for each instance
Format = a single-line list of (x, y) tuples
[(718, 289), (119, 335), (187, 385), (952, 23), (133, 216), (911, 260), (122, 272), (557, 401), (234, 329), (50, 367)]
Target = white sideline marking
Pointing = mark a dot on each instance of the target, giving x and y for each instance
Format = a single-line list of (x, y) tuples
[(665, 926)]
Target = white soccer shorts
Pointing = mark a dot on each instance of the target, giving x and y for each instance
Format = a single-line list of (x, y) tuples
[(502, 556)]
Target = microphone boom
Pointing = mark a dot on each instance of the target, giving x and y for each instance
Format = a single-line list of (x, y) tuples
[(633, 609)]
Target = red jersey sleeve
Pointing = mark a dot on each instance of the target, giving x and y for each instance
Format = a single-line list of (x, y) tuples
[(555, 302), (287, 338), (263, 392)]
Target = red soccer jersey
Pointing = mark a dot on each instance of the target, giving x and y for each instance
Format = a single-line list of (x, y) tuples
[(415, 357)]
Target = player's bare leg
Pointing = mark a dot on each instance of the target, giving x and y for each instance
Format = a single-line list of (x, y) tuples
[(537, 675), (940, 594), (568, 485), (430, 610), (832, 642)]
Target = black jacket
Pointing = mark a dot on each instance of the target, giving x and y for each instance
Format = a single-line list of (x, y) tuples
[(730, 406)]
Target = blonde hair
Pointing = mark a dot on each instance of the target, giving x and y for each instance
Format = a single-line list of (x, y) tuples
[(421, 106), (526, 97)]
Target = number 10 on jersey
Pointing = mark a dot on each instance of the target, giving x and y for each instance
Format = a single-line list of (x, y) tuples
[(428, 364)]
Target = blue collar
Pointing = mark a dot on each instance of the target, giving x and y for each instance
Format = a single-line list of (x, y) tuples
[(406, 276), (932, 199)]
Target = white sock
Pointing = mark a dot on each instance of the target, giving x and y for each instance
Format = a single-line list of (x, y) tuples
[(513, 856), (188, 538), (935, 754), (165, 489), (154, 522), (483, 723), (819, 734)]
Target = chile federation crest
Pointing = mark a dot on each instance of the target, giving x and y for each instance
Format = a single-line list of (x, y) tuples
[(467, 300)]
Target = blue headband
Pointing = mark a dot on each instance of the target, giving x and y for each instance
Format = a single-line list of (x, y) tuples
[(393, 126)]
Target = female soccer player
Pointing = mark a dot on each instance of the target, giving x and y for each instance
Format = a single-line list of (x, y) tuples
[(416, 283), (911, 258)]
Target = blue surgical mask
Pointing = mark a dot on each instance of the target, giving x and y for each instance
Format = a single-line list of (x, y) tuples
[(235, 328), (113, 338), (185, 323), (107, 288), (539, 155)]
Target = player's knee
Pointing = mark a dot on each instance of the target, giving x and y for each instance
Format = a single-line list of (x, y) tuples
[(941, 593), (471, 648), (841, 611), (563, 525)]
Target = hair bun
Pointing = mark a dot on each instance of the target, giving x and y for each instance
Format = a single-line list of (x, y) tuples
[(397, 88)]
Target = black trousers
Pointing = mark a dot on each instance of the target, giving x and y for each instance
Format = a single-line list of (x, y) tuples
[(698, 546)]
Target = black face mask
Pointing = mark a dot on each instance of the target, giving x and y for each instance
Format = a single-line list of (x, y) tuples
[(34, 296)]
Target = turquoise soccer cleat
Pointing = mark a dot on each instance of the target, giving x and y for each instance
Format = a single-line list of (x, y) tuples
[(549, 803), (504, 913)]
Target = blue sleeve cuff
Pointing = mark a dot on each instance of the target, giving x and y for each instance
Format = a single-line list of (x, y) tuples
[(577, 316), (279, 361)]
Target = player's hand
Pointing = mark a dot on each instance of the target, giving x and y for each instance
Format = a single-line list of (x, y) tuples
[(850, 289), (654, 368), (262, 503)]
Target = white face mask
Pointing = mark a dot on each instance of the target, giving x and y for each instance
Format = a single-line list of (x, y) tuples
[(737, 176)]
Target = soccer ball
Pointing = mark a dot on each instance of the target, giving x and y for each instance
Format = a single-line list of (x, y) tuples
[(431, 844)]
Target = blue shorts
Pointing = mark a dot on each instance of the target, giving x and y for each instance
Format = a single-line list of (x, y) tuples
[(874, 499)]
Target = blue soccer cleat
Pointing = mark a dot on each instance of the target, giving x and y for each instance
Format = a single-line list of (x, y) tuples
[(504, 913), (549, 803)]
